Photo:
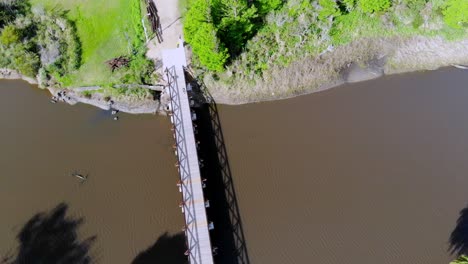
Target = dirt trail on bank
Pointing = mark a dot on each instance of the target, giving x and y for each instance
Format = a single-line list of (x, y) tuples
[(171, 24)]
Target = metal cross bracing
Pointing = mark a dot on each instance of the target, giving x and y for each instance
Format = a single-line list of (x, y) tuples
[(188, 204)]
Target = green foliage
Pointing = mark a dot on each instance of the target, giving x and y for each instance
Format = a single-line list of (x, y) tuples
[(348, 4), (136, 23), (103, 30), (219, 29), (456, 13), (9, 10), (370, 6), (197, 14), (460, 260), (201, 34), (10, 35), (299, 7), (329, 8), (237, 23), (209, 51), (25, 61), (355, 25), (415, 5), (266, 6)]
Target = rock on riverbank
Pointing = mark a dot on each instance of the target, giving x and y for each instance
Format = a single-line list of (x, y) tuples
[(15, 75), (127, 105)]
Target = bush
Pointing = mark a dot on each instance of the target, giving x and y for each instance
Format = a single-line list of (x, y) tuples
[(26, 62), (9, 10), (329, 8), (456, 13), (370, 6), (266, 6), (10, 35), (209, 51)]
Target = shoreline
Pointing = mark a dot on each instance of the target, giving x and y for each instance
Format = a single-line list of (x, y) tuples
[(97, 100), (383, 57), (361, 60), (129, 106)]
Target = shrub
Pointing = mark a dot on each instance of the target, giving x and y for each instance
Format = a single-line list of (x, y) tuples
[(348, 5), (209, 51), (460, 260), (26, 62), (10, 35), (266, 6), (456, 13), (370, 6), (329, 8), (9, 10)]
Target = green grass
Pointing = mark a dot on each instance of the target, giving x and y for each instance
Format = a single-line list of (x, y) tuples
[(106, 29)]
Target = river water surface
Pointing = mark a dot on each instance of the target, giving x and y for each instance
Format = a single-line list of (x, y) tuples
[(373, 172)]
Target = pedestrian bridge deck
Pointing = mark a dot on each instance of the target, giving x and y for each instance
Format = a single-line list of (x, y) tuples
[(191, 185)]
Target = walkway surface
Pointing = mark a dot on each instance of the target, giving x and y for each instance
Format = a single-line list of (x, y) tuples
[(171, 24), (191, 185)]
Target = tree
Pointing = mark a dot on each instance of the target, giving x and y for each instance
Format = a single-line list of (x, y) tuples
[(209, 51), (265, 6), (237, 24), (460, 260), (10, 35), (200, 32), (456, 13), (370, 6)]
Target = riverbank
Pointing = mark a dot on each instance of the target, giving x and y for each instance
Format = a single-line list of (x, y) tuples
[(360, 60), (10, 74), (127, 104)]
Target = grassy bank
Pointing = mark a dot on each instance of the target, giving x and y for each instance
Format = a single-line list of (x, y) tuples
[(67, 43), (106, 29), (240, 49)]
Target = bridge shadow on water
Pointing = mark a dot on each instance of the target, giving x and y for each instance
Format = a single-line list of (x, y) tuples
[(227, 237), (458, 243), (51, 238)]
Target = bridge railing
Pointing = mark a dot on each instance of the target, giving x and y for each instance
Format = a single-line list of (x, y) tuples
[(177, 118)]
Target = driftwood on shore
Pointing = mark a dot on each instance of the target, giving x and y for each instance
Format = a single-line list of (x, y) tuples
[(154, 19), (157, 87), (118, 62), (463, 67)]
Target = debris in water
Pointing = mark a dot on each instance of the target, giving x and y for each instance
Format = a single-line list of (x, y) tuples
[(80, 176)]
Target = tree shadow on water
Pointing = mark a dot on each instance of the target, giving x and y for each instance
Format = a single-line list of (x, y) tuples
[(51, 238), (459, 237), (167, 249)]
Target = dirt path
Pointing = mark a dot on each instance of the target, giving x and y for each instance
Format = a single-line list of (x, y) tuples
[(171, 23)]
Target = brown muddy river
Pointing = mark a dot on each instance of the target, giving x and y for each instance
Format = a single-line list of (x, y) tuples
[(373, 172)]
